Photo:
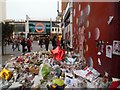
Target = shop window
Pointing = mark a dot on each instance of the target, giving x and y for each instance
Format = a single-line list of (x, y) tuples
[(53, 29), (47, 25)]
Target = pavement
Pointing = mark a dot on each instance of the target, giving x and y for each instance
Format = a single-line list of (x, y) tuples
[(9, 53)]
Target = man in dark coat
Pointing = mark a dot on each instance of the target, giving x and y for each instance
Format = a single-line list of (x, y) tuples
[(23, 43), (47, 43), (54, 42)]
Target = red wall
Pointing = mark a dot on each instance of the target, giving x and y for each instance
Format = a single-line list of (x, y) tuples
[(98, 17)]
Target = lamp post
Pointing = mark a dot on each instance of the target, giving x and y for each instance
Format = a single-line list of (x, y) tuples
[(27, 26)]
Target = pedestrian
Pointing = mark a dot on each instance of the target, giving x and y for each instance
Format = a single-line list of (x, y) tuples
[(17, 44), (54, 42), (29, 44), (62, 43), (47, 43), (13, 43), (23, 43), (40, 42), (57, 42)]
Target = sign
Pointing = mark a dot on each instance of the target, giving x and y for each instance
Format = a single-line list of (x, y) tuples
[(39, 27)]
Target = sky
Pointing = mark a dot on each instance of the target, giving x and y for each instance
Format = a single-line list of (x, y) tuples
[(35, 9)]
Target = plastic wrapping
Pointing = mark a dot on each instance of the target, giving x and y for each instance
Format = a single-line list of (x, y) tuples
[(45, 70), (58, 53), (5, 73)]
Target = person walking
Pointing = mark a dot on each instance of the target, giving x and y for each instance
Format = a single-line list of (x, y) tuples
[(29, 44), (54, 42), (47, 43), (57, 42), (13, 43), (40, 42), (62, 43), (23, 43), (17, 44)]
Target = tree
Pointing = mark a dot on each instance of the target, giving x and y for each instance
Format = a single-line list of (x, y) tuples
[(7, 30)]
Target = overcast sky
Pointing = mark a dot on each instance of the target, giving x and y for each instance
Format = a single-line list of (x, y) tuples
[(35, 9)]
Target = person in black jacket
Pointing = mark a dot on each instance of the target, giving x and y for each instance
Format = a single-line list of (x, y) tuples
[(54, 42), (47, 43), (29, 44), (40, 42), (23, 43), (62, 43)]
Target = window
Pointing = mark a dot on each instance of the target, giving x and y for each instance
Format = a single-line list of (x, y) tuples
[(47, 25), (52, 29), (58, 30)]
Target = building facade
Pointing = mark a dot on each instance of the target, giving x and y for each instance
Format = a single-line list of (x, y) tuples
[(42, 27), (2, 16), (19, 27), (34, 27), (56, 28), (67, 22), (96, 35)]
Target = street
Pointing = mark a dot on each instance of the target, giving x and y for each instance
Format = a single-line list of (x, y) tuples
[(9, 53)]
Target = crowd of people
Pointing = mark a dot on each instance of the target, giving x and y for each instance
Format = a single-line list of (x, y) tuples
[(26, 43), (56, 41)]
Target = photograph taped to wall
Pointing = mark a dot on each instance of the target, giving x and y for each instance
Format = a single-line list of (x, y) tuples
[(116, 47), (109, 51)]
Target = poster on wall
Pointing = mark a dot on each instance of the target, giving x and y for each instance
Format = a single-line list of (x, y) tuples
[(116, 47), (109, 51)]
